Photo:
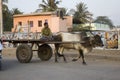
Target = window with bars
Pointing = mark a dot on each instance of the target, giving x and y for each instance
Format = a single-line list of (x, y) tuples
[(40, 23), (31, 23)]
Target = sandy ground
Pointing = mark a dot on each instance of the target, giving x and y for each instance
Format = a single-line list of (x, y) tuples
[(9, 51), (95, 52)]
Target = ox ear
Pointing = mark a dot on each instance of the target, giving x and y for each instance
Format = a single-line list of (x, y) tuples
[(92, 41), (85, 38), (97, 36)]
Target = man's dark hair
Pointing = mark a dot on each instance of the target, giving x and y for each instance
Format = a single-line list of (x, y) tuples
[(45, 23)]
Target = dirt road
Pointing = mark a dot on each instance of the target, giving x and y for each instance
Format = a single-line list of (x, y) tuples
[(96, 69)]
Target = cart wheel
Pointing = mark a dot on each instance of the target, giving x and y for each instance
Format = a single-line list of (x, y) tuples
[(44, 52), (24, 53)]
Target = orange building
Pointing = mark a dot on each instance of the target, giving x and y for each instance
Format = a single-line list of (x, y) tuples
[(34, 22)]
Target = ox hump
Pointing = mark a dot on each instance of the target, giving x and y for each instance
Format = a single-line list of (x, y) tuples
[(70, 37)]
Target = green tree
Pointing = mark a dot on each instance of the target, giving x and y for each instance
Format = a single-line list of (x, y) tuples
[(82, 15), (64, 10), (5, 1), (8, 16), (104, 20), (4, 6), (49, 5), (16, 11)]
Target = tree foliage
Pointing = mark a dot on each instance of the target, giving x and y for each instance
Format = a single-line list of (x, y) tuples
[(15, 11), (82, 15), (64, 10), (5, 1), (8, 17), (104, 20), (49, 5)]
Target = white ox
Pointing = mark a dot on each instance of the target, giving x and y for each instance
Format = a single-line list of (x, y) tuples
[(85, 45)]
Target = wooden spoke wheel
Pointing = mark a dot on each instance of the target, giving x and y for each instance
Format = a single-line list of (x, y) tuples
[(44, 52), (24, 53)]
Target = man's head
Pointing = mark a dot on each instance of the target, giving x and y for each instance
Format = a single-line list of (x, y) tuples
[(46, 25), (20, 24)]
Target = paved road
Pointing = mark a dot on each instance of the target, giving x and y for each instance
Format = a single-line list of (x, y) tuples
[(96, 69)]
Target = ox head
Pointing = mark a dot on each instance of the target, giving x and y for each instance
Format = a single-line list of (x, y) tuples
[(96, 41)]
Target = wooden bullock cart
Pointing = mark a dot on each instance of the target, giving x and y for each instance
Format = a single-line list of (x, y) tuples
[(24, 51)]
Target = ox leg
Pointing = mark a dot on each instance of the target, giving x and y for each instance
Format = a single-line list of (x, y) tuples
[(78, 56), (61, 49), (82, 55), (56, 57), (57, 54), (56, 51)]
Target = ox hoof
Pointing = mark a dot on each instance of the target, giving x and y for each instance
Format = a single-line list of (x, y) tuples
[(74, 60), (65, 61), (56, 61), (84, 63)]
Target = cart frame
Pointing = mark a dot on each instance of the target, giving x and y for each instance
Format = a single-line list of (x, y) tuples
[(24, 51)]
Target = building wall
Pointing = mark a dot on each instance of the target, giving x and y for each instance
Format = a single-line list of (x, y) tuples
[(69, 21), (35, 20), (97, 26), (63, 25), (101, 27), (55, 23)]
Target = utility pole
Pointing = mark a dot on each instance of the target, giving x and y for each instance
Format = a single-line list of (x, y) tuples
[(1, 18)]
